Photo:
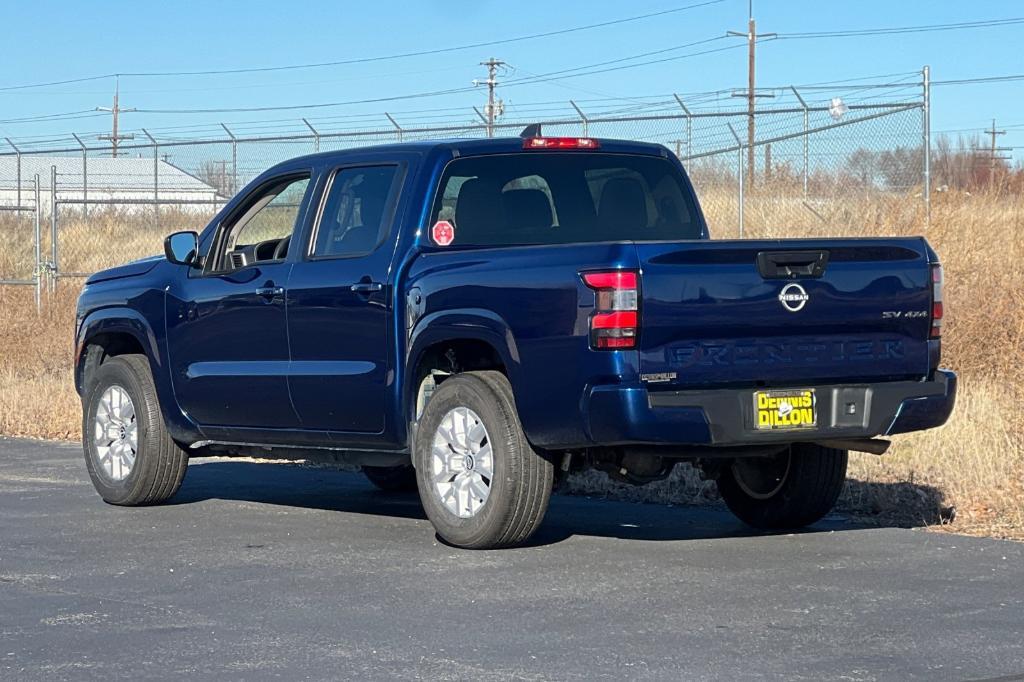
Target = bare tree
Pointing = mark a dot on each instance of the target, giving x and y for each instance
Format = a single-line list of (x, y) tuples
[(863, 165), (217, 175)]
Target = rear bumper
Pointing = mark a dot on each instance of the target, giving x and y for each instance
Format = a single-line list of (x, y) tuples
[(623, 415)]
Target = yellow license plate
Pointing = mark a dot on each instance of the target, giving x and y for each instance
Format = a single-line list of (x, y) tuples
[(785, 409)]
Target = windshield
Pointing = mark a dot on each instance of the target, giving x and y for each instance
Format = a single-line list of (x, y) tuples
[(563, 198)]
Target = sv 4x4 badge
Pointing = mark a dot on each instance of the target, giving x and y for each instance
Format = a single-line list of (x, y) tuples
[(906, 314)]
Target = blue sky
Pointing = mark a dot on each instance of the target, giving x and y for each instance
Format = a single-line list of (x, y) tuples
[(67, 40)]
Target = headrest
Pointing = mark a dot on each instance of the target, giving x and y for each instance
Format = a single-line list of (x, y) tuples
[(527, 209), (623, 205), (373, 195), (478, 210)]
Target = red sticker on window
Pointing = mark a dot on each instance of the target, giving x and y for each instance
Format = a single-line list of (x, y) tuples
[(443, 233)]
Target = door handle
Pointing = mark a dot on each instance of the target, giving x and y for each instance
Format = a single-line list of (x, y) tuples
[(270, 293), (366, 287)]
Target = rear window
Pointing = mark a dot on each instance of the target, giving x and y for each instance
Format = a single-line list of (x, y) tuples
[(563, 198)]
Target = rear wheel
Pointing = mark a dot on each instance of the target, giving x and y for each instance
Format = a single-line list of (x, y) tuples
[(481, 483), (399, 479), (791, 490), (131, 458)]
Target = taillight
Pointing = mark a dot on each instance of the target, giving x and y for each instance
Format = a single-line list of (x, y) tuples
[(937, 277), (615, 320), (560, 143)]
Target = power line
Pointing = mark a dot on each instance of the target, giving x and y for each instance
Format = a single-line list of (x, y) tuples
[(361, 76), (319, 105), (985, 79), (42, 118), (895, 30), (806, 86), (542, 79), (421, 114), (619, 60), (442, 50), (577, 88), (63, 82), (555, 75), (379, 58)]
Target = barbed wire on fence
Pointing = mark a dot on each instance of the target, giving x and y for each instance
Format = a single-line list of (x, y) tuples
[(810, 161)]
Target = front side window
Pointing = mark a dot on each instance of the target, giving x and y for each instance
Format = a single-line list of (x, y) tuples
[(355, 215), (264, 229), (565, 197)]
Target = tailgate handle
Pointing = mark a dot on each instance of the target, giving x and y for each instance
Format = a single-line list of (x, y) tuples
[(791, 264)]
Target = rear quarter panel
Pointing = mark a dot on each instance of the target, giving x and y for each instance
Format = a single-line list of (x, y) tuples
[(531, 305)]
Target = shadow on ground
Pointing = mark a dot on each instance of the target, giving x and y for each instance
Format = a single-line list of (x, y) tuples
[(901, 504), (347, 492)]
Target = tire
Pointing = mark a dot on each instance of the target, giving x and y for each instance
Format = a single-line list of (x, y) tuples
[(399, 479), (159, 464), (520, 480), (791, 490)]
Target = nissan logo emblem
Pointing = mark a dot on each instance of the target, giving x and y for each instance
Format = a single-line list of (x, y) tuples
[(793, 297)]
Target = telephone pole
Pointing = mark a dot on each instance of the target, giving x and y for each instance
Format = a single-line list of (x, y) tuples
[(751, 94), (114, 137), (994, 154), (494, 108)]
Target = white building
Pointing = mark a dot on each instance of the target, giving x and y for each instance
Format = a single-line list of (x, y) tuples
[(101, 178)]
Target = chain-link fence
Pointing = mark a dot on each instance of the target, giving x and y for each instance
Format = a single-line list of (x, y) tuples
[(828, 178), (812, 171), (21, 236)]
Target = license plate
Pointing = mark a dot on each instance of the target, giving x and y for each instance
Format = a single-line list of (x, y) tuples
[(785, 409)]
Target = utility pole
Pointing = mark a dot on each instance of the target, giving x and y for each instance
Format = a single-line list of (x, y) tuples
[(994, 154), (751, 94), (494, 108), (114, 137)]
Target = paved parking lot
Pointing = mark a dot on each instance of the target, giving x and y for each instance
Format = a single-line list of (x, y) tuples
[(263, 571)]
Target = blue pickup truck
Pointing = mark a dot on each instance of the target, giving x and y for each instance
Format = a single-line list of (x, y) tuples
[(473, 319)]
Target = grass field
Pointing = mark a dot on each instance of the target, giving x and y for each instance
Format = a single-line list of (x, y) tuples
[(968, 474)]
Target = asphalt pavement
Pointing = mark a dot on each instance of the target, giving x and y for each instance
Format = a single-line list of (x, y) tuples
[(276, 571)]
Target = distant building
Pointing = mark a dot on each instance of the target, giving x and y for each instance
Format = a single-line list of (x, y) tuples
[(101, 178)]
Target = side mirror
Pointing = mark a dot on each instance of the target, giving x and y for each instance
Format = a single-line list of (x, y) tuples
[(182, 248)]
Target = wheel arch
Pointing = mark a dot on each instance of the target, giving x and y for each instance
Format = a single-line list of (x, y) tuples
[(109, 332), (477, 339)]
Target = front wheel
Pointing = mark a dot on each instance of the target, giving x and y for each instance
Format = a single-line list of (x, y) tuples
[(131, 458), (481, 483), (790, 490)]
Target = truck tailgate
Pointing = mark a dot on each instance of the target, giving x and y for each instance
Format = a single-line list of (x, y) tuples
[(783, 313)]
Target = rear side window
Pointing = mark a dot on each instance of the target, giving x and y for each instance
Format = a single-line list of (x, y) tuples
[(355, 214), (564, 198)]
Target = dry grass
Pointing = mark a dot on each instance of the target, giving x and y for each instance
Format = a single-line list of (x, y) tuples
[(974, 465), (103, 239), (37, 394)]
